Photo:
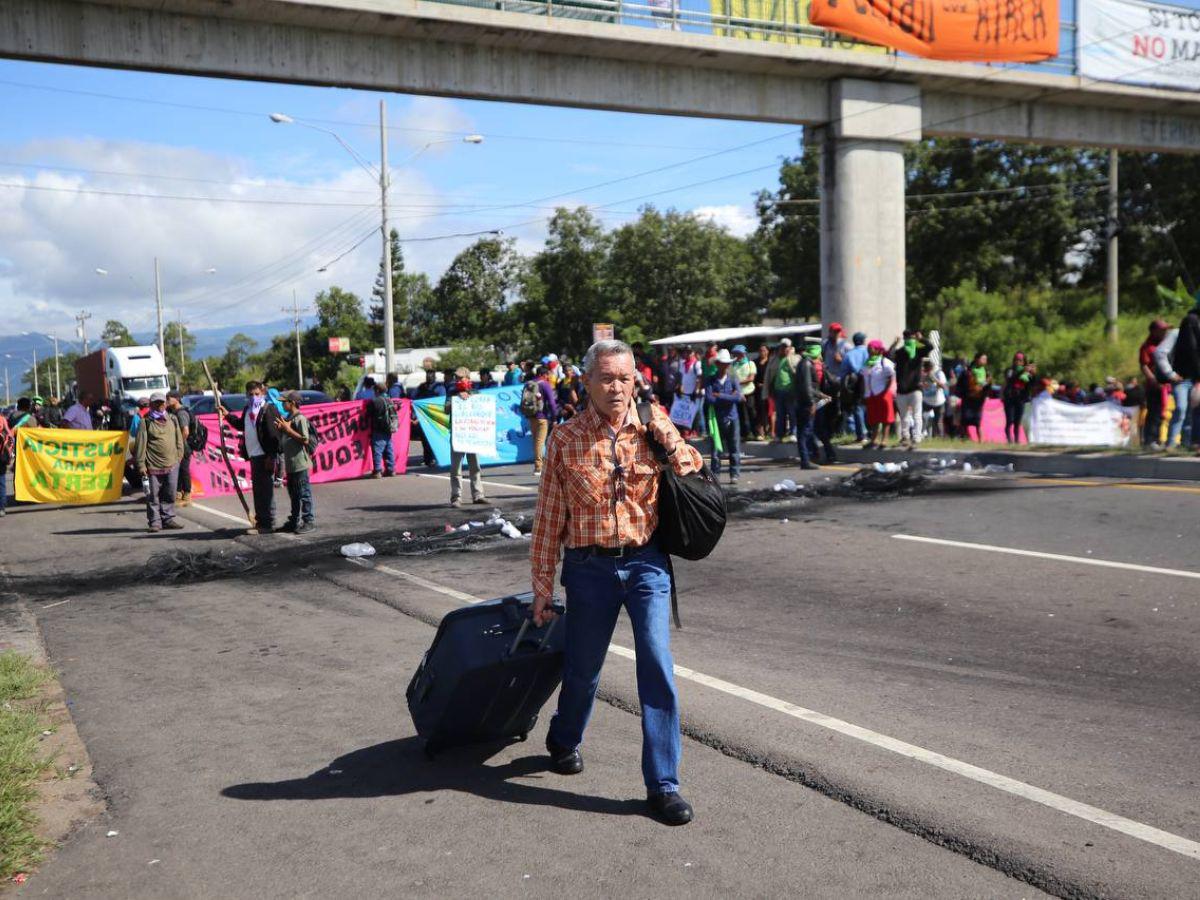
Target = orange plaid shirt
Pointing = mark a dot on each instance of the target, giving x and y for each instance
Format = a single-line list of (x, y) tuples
[(582, 501)]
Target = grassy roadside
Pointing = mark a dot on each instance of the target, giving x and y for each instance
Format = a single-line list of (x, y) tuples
[(21, 763)]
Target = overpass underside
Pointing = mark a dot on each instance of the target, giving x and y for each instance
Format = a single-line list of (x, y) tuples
[(864, 106)]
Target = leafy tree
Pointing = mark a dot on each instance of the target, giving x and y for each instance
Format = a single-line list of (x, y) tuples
[(789, 234), (230, 367), (46, 387), (473, 355), (564, 285), (339, 314), (405, 286), (471, 299), (115, 334), (673, 272)]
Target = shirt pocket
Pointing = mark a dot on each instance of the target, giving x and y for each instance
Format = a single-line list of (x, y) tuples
[(585, 485), (642, 482)]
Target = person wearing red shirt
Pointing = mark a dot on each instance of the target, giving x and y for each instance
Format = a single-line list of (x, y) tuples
[(1156, 393)]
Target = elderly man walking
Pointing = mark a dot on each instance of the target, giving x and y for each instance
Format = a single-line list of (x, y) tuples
[(598, 505), (157, 451)]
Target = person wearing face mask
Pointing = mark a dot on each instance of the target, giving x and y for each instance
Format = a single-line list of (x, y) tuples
[(260, 445), (157, 451), (879, 389), (907, 354)]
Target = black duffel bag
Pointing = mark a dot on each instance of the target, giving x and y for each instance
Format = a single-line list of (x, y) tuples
[(691, 510)]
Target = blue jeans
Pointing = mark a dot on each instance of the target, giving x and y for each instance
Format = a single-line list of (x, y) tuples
[(597, 588), (383, 455), (785, 412), (731, 438), (806, 437), (300, 493), (1181, 425)]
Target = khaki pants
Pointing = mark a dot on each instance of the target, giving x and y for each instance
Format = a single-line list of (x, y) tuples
[(456, 461), (539, 428)]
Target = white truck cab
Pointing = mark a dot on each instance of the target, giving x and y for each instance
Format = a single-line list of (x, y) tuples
[(134, 372)]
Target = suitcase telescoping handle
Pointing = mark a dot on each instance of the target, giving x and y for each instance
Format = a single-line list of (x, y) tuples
[(556, 607)]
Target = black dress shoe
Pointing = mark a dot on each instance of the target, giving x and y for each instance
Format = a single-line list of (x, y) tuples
[(670, 808), (564, 761)]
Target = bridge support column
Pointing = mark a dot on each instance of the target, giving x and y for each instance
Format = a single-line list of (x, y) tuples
[(862, 204)]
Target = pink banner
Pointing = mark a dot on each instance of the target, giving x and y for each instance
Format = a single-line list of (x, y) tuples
[(344, 453), (993, 423)]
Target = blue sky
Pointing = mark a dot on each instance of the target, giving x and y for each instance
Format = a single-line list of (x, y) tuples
[(214, 140)]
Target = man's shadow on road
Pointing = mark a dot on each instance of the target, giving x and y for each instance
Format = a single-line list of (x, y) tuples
[(399, 767)]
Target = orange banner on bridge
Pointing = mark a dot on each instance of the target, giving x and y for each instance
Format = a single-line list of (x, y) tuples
[(965, 30)]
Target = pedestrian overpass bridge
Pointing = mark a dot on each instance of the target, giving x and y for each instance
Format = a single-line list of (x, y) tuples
[(673, 57)]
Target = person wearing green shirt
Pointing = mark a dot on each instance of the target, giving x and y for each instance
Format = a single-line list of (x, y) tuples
[(744, 371), (783, 380), (295, 435)]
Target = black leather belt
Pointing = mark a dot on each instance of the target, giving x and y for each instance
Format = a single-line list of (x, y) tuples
[(613, 552)]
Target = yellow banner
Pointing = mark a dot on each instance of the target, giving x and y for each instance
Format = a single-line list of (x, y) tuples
[(66, 465), (768, 20)]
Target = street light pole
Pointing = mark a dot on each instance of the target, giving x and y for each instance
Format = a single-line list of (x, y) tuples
[(295, 311), (162, 347), (1110, 300), (37, 392), (389, 332), (81, 317)]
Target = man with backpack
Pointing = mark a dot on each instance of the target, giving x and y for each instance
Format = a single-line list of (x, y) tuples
[(260, 444), (185, 419), (156, 453), (384, 423), (296, 440), (539, 408)]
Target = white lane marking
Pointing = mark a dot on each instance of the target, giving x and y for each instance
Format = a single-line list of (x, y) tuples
[(241, 520), (515, 487), (1092, 814), (1057, 557), (417, 580)]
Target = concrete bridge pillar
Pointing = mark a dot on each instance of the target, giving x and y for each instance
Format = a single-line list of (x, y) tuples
[(862, 204)]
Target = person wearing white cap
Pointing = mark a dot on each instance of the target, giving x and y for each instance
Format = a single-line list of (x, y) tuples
[(724, 395), (157, 450)]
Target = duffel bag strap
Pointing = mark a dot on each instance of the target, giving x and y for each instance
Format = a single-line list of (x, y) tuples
[(674, 594)]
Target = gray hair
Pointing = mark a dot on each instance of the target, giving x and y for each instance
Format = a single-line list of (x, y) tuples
[(604, 348)]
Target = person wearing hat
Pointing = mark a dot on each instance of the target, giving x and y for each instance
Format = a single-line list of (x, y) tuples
[(462, 390), (259, 425), (781, 376), (157, 451), (744, 371), (833, 348), (724, 394), (808, 396), (1156, 392), (295, 439), (879, 389)]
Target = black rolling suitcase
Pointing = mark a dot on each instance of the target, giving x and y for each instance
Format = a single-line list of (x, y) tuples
[(487, 675)]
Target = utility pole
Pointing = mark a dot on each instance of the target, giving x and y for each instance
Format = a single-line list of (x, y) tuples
[(81, 317), (162, 347), (295, 311), (57, 380), (1110, 300), (389, 332), (37, 391)]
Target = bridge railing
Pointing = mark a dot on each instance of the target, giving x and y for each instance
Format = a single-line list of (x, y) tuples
[(770, 21)]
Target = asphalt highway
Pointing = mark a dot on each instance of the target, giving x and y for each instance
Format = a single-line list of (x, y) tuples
[(868, 714)]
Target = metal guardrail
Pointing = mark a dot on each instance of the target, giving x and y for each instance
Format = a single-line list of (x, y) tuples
[(770, 21)]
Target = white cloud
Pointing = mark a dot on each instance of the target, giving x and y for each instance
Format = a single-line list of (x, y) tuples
[(739, 220), (54, 239)]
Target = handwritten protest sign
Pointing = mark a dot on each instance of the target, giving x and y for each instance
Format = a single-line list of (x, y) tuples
[(473, 424), (683, 411), (69, 466)]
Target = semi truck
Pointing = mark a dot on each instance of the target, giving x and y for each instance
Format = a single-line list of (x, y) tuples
[(121, 375)]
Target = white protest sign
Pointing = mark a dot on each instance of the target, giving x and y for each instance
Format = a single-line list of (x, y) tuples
[(1069, 424), (683, 411), (1139, 43), (473, 424)]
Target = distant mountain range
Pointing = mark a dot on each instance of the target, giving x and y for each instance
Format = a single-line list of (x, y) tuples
[(209, 341)]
